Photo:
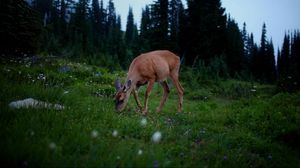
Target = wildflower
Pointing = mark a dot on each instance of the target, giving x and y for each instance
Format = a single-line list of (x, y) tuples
[(41, 77), (144, 122), (66, 92), (115, 133), (202, 131), (253, 90), (52, 146), (140, 152), (94, 134), (270, 157), (32, 133), (155, 164), (156, 137), (225, 157), (25, 163)]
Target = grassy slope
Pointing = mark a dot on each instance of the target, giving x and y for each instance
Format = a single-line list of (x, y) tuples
[(224, 125)]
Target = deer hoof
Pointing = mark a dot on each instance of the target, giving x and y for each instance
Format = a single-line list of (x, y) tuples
[(144, 111)]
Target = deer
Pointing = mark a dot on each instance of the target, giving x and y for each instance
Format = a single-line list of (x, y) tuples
[(146, 69)]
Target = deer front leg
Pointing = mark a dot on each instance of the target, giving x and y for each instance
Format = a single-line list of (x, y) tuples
[(147, 94), (135, 94), (165, 96)]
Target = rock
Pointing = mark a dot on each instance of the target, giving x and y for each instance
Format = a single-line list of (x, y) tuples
[(32, 103)]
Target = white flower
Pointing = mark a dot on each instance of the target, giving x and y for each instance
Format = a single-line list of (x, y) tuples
[(52, 146), (140, 152), (66, 92), (31, 133), (144, 122), (156, 137), (94, 134), (115, 133)]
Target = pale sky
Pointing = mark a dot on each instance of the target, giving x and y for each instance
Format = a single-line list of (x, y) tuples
[(279, 15)]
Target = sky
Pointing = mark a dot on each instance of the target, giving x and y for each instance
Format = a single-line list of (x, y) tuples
[(280, 16)]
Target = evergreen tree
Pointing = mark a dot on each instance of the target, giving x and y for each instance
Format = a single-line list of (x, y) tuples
[(20, 28), (44, 8), (80, 27), (262, 54), (176, 14), (252, 53), (295, 56), (145, 29), (288, 63), (284, 57), (159, 25), (248, 44), (234, 48), (205, 30), (96, 22), (63, 22), (270, 69), (129, 34), (115, 44), (131, 37)]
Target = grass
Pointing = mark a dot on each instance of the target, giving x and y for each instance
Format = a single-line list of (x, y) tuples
[(227, 124)]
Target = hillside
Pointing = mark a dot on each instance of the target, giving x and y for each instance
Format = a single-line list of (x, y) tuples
[(225, 123)]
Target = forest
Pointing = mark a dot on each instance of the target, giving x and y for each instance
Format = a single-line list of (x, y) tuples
[(70, 52), (202, 35)]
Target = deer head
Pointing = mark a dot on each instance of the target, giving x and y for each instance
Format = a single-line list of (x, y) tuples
[(122, 95)]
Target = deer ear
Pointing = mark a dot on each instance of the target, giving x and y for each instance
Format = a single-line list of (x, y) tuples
[(128, 84), (118, 84)]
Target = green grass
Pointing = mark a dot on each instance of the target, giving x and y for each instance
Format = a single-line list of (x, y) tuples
[(227, 124)]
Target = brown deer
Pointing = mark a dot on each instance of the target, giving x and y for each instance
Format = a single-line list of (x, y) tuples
[(148, 68)]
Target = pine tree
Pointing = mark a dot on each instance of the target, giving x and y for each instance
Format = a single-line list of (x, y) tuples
[(295, 55), (288, 63), (159, 25), (176, 14), (261, 59), (234, 48), (270, 69), (96, 22), (205, 30), (131, 36), (284, 57), (145, 29), (130, 26), (247, 45), (20, 28)]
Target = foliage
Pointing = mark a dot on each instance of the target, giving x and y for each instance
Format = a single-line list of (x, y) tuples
[(19, 28), (289, 63)]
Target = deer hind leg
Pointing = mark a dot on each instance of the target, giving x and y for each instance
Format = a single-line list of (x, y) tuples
[(165, 96), (179, 88), (147, 94)]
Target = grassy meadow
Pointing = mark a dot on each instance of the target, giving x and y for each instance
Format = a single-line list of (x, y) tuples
[(225, 123)]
